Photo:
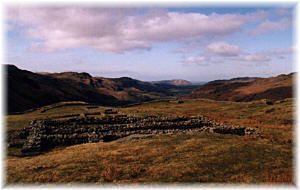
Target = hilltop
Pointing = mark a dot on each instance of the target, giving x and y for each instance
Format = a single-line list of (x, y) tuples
[(247, 89)]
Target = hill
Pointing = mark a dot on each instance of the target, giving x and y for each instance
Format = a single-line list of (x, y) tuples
[(27, 90), (247, 89), (238, 79), (123, 89)]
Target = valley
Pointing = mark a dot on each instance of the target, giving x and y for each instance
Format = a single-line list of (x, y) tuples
[(74, 128)]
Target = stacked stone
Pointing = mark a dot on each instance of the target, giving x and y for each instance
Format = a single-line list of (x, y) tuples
[(33, 141), (17, 138), (46, 134)]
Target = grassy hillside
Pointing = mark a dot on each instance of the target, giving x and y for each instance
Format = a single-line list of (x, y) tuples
[(27, 90), (177, 158), (123, 89), (247, 89)]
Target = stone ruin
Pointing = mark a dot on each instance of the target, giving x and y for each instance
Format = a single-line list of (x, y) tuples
[(91, 107), (45, 134), (110, 111)]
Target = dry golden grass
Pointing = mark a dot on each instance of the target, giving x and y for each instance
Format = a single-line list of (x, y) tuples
[(252, 114), (203, 158), (286, 177), (261, 85)]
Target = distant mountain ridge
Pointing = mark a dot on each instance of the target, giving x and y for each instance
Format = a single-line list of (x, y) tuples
[(27, 90), (176, 82), (246, 89), (238, 79)]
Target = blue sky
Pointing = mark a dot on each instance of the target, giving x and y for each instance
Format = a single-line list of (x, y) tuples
[(192, 43)]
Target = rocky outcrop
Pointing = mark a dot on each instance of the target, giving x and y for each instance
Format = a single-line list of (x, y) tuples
[(45, 134)]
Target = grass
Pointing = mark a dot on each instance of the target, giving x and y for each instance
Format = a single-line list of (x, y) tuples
[(233, 112), (203, 158), (185, 158)]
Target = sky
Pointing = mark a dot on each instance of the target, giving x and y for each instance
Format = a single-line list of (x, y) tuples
[(198, 43)]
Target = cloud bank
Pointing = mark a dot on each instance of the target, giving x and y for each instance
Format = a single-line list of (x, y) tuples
[(121, 29), (217, 51)]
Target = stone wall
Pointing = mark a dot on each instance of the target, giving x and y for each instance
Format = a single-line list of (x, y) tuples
[(43, 135)]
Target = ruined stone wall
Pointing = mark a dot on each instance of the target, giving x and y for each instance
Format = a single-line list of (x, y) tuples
[(46, 134)]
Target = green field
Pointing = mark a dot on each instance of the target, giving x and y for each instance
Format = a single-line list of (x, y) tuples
[(196, 158)]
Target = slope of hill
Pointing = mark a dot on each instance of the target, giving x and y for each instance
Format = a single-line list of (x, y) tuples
[(27, 90), (123, 89), (176, 82), (239, 79), (247, 89)]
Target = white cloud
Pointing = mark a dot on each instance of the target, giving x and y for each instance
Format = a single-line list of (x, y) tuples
[(265, 56), (239, 56), (224, 49), (269, 26), (257, 57), (120, 29), (201, 60)]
